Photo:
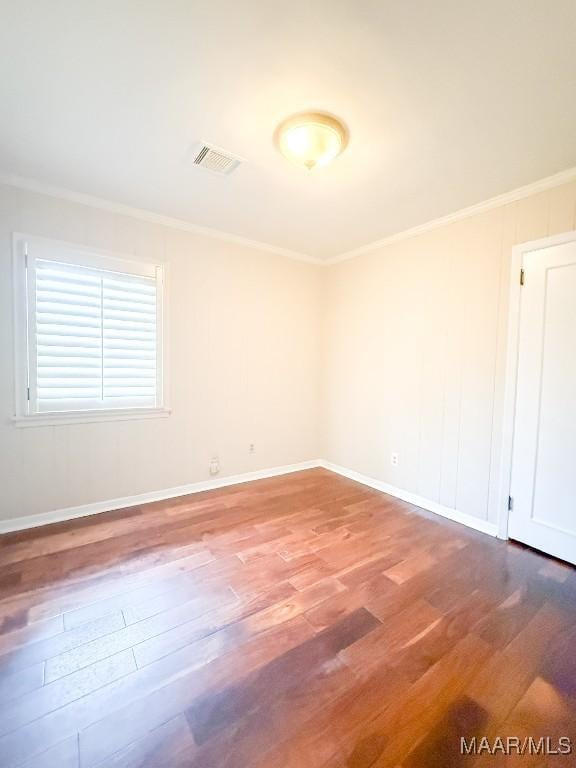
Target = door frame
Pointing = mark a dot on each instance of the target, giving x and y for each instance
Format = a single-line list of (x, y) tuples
[(511, 374)]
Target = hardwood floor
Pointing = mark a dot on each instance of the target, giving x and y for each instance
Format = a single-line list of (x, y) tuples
[(294, 622)]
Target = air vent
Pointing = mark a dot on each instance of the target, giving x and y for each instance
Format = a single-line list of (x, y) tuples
[(215, 159)]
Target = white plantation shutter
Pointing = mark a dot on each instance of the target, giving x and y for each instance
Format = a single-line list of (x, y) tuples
[(93, 336), (129, 334)]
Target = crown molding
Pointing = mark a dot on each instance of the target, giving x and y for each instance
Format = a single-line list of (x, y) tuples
[(473, 210), (62, 193)]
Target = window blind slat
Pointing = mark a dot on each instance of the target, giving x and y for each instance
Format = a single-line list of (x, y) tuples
[(73, 329), (115, 325), (130, 305), (75, 304), (141, 318), (113, 374), (133, 343), (63, 299), (63, 375), (129, 392), (89, 368), (51, 384), (116, 364), (135, 286), (114, 294), (48, 287), (115, 356), (67, 393), (77, 319)]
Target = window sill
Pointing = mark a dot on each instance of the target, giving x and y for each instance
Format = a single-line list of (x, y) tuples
[(89, 417)]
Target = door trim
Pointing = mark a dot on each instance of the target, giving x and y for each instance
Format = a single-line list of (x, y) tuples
[(511, 375)]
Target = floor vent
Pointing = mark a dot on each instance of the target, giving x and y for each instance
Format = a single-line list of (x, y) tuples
[(215, 159)]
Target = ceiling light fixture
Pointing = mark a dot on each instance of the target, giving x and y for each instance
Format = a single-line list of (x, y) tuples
[(311, 139)]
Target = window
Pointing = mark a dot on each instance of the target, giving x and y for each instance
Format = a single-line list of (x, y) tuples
[(89, 332)]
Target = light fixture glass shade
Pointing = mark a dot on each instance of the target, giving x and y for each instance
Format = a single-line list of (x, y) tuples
[(311, 139)]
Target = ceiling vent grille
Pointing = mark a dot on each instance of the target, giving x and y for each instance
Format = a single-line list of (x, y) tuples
[(215, 159)]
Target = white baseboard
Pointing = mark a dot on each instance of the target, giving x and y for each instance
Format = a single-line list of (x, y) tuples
[(419, 501), (84, 510)]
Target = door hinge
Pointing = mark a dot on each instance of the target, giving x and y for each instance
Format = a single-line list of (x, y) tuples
[(28, 394), (510, 503), (521, 277)]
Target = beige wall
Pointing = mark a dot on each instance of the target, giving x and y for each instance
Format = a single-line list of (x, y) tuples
[(399, 350), (415, 344), (244, 348)]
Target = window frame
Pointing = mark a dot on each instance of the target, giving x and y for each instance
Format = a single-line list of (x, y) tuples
[(28, 248)]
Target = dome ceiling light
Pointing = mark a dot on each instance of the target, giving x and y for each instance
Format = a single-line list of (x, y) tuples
[(311, 139)]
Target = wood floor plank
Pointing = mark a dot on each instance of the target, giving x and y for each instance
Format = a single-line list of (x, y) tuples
[(303, 621), (390, 736), (508, 674), (168, 745), (31, 633), (60, 644), (54, 695), (216, 711), (208, 664), (65, 754), (56, 596), (162, 590), (215, 620), (19, 682), (392, 637), (542, 717), (126, 637)]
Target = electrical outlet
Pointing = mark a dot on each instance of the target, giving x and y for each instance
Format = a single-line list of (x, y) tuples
[(394, 459), (214, 465), (251, 448)]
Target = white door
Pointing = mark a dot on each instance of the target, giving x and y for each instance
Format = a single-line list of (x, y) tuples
[(544, 460)]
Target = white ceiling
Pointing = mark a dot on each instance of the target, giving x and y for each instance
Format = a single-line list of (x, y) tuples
[(447, 102)]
